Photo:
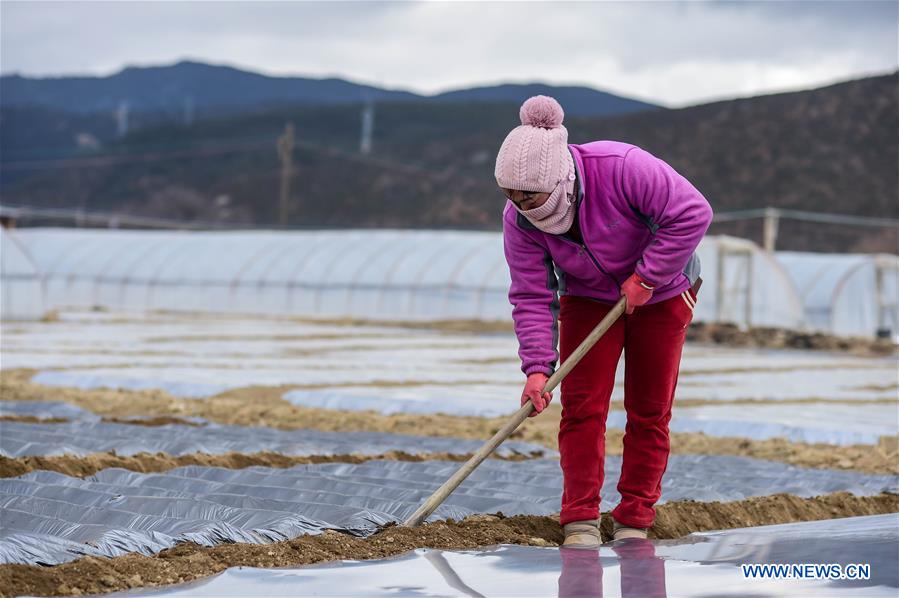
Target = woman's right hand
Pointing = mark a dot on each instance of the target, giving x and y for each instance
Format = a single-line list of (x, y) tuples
[(533, 391)]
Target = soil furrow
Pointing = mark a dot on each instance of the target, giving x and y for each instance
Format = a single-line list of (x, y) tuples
[(83, 466), (32, 419), (264, 406), (187, 562), (159, 420)]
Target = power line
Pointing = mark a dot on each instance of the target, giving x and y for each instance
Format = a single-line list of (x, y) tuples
[(209, 151), (111, 219), (822, 217), (115, 160), (767, 213)]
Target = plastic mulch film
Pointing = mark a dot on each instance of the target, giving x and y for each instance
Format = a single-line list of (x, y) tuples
[(84, 437), (45, 410), (696, 565), (118, 511)]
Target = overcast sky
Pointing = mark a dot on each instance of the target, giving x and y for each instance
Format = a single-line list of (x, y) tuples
[(672, 53)]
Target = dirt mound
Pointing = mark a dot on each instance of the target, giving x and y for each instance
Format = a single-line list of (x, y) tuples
[(189, 561), (159, 420), (31, 419), (678, 519), (781, 338), (156, 462)]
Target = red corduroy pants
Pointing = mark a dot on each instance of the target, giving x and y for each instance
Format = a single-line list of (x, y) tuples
[(652, 339)]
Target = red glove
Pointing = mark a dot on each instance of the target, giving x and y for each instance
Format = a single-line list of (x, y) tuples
[(637, 291), (532, 389)]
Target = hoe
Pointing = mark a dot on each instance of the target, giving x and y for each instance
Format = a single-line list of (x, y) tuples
[(516, 420)]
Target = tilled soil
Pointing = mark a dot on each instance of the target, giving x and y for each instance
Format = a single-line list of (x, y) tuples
[(264, 406), (187, 562), (163, 420), (781, 338), (156, 462), (31, 419), (160, 420)]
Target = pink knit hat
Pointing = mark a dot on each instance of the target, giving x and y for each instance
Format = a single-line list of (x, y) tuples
[(535, 157)]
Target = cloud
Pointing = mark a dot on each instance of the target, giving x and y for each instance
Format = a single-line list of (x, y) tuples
[(850, 13), (674, 53)]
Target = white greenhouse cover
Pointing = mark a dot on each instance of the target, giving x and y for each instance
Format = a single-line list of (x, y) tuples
[(846, 293), (745, 285), (377, 274), (21, 286)]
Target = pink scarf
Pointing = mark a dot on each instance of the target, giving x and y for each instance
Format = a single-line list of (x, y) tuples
[(557, 212)]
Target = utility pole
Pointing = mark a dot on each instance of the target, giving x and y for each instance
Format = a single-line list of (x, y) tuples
[(189, 111), (121, 117), (368, 120), (285, 153), (772, 219)]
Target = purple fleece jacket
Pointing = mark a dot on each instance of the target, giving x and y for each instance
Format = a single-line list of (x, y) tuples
[(636, 214)]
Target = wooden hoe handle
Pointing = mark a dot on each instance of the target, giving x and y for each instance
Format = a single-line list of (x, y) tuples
[(516, 420)]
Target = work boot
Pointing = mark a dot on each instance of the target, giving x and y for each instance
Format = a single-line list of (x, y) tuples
[(582, 534), (620, 532)]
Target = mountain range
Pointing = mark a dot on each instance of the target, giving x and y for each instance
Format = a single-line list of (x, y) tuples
[(831, 149), (207, 89)]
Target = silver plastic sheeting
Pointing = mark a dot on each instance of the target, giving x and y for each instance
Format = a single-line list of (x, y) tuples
[(85, 437), (706, 564), (816, 422), (827, 423), (482, 402), (87, 381), (830, 423), (118, 511)]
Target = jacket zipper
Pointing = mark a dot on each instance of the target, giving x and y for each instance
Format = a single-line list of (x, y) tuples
[(583, 246)]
